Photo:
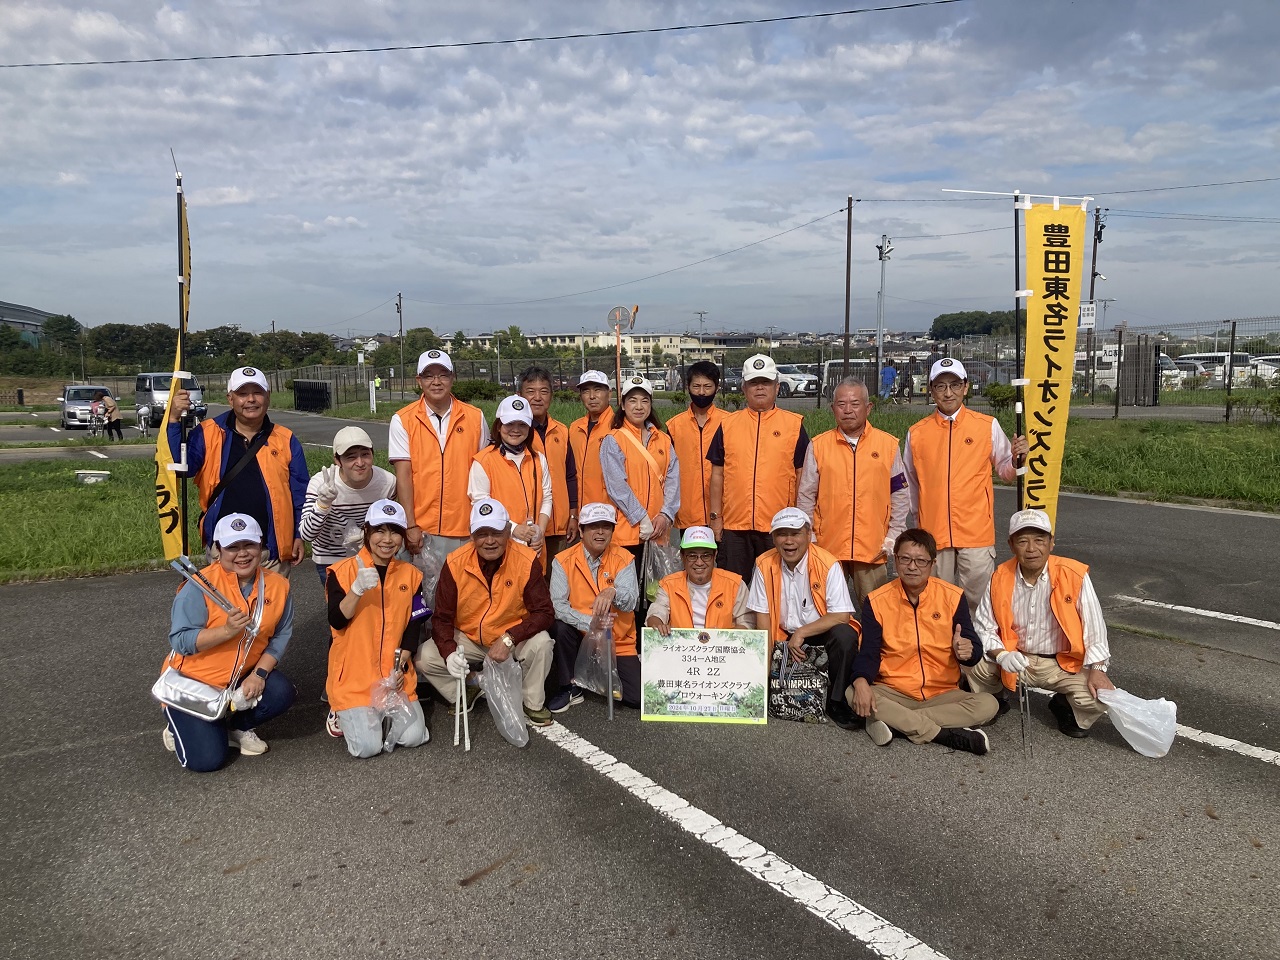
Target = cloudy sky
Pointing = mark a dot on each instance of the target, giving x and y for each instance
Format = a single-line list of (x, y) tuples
[(476, 177)]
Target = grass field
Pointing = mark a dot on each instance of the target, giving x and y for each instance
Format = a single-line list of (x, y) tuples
[(56, 527)]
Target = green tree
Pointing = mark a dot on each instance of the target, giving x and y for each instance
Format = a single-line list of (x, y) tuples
[(421, 338), (955, 326), (62, 329), (459, 342)]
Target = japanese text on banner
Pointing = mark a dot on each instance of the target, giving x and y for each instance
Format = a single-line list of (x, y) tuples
[(1055, 242)]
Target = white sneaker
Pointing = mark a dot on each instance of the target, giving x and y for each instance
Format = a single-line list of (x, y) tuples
[(167, 737), (249, 743), (879, 733)]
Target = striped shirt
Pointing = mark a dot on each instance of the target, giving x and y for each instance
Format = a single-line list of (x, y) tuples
[(1037, 627), (335, 535)]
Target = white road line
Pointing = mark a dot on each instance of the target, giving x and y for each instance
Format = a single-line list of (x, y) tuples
[(1226, 743), (100, 456), (824, 902), (1234, 618), (56, 429)]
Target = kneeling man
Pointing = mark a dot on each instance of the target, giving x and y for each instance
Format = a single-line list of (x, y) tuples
[(700, 596), (491, 600), (916, 632), (1041, 620)]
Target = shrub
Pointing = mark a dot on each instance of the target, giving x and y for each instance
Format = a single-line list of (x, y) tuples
[(999, 395), (472, 390)]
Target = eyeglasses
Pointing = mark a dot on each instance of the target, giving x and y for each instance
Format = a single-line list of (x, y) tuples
[(904, 561), (698, 559), (948, 386), (435, 377)]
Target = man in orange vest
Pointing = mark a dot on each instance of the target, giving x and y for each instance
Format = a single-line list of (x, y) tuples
[(916, 634), (551, 439), (430, 444), (700, 597), (1040, 621), (799, 595), (594, 581), (948, 457), (269, 484), (691, 433), (491, 601), (755, 457), (854, 488), (586, 433)]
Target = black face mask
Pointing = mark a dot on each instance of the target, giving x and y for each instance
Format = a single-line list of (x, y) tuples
[(702, 401)]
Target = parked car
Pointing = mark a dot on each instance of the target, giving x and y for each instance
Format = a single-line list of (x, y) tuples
[(152, 390), (731, 381), (794, 382), (74, 404)]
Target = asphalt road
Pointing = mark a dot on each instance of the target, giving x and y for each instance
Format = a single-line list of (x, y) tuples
[(1086, 849)]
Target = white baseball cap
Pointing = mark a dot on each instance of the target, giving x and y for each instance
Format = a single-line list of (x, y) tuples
[(947, 365), (698, 537), (1030, 520), (434, 358), (637, 383), (789, 518), (488, 514), (349, 437), (592, 376), (237, 528), (597, 513), (383, 513), (759, 367), (244, 375), (515, 410)]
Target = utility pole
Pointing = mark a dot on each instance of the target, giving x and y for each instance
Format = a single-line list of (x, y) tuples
[(400, 315), (273, 326), (883, 249), (848, 281), (583, 344), (1091, 342), (701, 315), (769, 348)]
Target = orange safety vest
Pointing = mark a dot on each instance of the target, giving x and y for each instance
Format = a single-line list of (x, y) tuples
[(584, 587), (720, 599), (952, 462), (487, 610), (851, 512), (769, 565), (1066, 579), (916, 658), (759, 466), (691, 442), (440, 503), (586, 454), (644, 478), (556, 449), (364, 651), (273, 458), (519, 489), (214, 664)]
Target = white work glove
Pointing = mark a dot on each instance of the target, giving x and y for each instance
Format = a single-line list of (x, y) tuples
[(457, 665), (327, 491), (646, 529), (1011, 661), (366, 579), (888, 546)]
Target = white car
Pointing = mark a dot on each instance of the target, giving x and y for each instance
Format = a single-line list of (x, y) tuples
[(794, 382)]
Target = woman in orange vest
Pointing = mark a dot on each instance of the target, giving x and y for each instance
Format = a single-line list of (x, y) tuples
[(207, 644), (641, 472), (510, 471), (377, 616)]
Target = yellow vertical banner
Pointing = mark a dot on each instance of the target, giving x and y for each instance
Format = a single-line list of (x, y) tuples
[(1055, 241), (169, 507)]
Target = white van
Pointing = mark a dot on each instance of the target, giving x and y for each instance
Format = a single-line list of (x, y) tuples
[(1216, 363), (152, 390), (860, 368)]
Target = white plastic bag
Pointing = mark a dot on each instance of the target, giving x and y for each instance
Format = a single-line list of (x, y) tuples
[(430, 560), (503, 689), (1148, 726), (391, 703), (591, 669)]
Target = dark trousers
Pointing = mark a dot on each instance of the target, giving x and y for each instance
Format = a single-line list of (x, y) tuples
[(842, 645), (115, 429), (568, 639), (739, 550), (201, 745)]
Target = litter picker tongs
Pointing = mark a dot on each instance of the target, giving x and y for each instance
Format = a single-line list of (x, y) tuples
[(1024, 711), (189, 570)]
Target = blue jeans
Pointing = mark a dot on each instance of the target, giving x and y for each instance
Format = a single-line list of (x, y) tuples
[(201, 745)]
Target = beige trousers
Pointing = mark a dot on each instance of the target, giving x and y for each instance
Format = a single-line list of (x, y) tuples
[(969, 568), (534, 656), (1046, 673), (921, 720), (863, 578)]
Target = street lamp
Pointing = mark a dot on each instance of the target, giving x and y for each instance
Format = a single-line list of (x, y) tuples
[(883, 249)]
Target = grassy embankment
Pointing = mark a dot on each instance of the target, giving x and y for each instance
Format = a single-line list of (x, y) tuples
[(58, 528)]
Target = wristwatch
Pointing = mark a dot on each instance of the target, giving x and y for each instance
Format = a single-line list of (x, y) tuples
[(507, 641), (1100, 665), (714, 516), (262, 673)]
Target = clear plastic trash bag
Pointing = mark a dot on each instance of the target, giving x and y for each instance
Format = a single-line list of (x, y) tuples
[(430, 560), (1148, 726), (503, 690), (658, 560), (388, 698), (591, 669)]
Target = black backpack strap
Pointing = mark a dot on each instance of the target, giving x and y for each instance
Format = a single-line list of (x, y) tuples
[(255, 445)]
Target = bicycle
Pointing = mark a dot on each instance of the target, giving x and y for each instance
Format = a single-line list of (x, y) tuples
[(97, 425)]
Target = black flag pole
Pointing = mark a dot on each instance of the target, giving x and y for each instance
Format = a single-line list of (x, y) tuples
[(184, 422), (1017, 343)]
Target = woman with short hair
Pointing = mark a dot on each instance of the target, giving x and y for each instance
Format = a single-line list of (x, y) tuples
[(510, 471)]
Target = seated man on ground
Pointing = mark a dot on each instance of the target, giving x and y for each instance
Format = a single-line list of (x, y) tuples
[(594, 579), (1041, 621), (700, 596), (800, 596), (491, 600), (916, 632)]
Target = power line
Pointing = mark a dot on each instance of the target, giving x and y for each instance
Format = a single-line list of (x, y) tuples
[(1187, 186), (399, 48), (1197, 217), (962, 233), (338, 323)]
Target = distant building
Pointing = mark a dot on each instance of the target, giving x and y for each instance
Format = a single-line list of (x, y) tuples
[(28, 321)]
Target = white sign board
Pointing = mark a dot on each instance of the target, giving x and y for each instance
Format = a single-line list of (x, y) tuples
[(712, 676), (1088, 314)]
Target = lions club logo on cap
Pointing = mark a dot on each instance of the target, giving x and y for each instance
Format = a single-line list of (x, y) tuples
[(250, 372), (759, 364), (946, 362), (517, 404), (389, 510), (238, 525), (433, 354), (637, 379), (486, 509)]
